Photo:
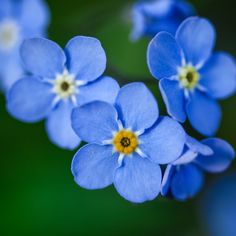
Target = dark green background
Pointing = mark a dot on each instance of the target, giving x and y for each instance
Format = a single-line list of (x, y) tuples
[(38, 195)]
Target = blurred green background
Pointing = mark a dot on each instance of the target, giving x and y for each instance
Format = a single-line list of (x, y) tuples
[(38, 195)]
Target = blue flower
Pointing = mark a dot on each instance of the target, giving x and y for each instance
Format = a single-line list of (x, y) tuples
[(127, 142), (18, 20), (184, 178), (59, 82), (151, 17), (191, 77)]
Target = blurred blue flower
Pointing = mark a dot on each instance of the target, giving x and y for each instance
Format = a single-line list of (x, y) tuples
[(151, 17), (184, 178), (18, 20), (60, 81), (191, 77), (218, 208), (127, 142)]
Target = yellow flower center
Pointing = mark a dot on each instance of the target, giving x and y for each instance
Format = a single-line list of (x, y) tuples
[(125, 142), (189, 77)]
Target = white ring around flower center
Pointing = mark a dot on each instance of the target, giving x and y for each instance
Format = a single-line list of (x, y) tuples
[(188, 77), (66, 86), (9, 34)]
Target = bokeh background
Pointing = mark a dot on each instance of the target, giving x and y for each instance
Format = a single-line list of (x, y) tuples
[(38, 195)]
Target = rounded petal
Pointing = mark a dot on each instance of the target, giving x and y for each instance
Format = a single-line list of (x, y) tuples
[(174, 99), (10, 72), (59, 127), (86, 58), (138, 22), (137, 107), (204, 113), (30, 99), (198, 147), (167, 178), (94, 166), (138, 180), (37, 18), (95, 121), (104, 89), (42, 57), (186, 158), (164, 142), (196, 36), (221, 158), (164, 56), (6, 9), (186, 182), (218, 76)]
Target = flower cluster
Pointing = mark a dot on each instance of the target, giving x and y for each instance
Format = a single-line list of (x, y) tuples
[(129, 144)]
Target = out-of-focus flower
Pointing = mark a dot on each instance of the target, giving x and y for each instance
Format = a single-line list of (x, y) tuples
[(151, 17), (18, 20), (218, 208), (60, 81), (184, 178), (191, 77), (127, 142)]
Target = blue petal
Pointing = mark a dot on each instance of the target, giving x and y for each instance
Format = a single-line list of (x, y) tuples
[(198, 147), (59, 127), (185, 8), (86, 58), (138, 180), (186, 182), (42, 57), (218, 76), (164, 142), (36, 19), (157, 9), (174, 99), (104, 89), (30, 99), (10, 71), (94, 166), (167, 178), (95, 121), (151, 17), (6, 9), (164, 56), (186, 158), (137, 107), (138, 23), (196, 36), (220, 160), (204, 113)]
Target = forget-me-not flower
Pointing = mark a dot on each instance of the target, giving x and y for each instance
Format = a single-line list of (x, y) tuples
[(59, 82), (184, 177), (191, 77), (151, 17), (127, 142), (18, 20)]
